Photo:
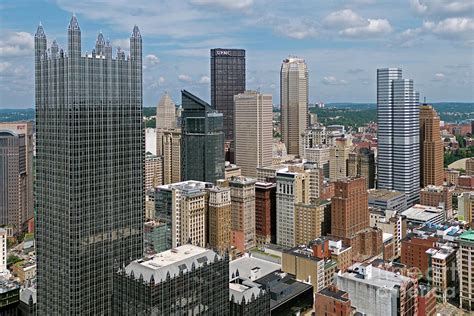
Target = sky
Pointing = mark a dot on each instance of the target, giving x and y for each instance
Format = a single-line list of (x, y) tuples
[(343, 43)]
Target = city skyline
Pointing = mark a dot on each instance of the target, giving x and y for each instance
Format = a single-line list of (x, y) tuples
[(390, 35)]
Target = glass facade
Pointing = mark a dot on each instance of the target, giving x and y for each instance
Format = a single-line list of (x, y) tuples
[(90, 158), (227, 80), (202, 146)]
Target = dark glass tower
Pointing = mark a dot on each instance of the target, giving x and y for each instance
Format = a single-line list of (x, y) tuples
[(202, 140), (227, 80), (89, 189)]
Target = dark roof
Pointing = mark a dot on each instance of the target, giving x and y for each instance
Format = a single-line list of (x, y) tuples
[(196, 103), (336, 295)]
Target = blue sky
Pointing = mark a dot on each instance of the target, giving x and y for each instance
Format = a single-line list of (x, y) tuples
[(343, 43)]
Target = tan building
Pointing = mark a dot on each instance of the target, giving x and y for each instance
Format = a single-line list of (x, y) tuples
[(466, 270), (16, 184), (338, 156), (166, 113), (452, 176), (153, 171), (242, 192), (231, 170), (438, 196), (470, 166), (24, 270), (431, 148), (443, 270), (168, 145), (466, 207), (193, 218), (253, 131), (294, 103), (220, 223), (390, 222), (308, 221), (361, 163)]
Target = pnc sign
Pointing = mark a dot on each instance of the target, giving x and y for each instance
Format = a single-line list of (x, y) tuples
[(223, 53)]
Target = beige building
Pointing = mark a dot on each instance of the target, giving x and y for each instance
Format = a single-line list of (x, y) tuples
[(231, 170), (390, 222), (470, 166), (153, 171), (309, 219), (466, 270), (253, 131), (166, 113), (294, 103), (361, 163), (220, 222), (242, 192), (168, 145), (443, 266), (466, 207), (193, 218), (338, 156)]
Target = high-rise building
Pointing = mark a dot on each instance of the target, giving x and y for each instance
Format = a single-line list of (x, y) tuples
[(398, 134), (253, 138), (309, 220), (166, 112), (202, 144), (292, 188), (3, 251), (187, 280), (338, 156), (168, 145), (431, 148), (25, 194), (89, 171), (219, 219), (242, 193), (294, 103), (361, 163), (227, 80), (265, 212), (349, 208), (466, 270), (466, 207), (153, 171)]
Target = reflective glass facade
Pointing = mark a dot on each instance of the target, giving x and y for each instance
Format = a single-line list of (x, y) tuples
[(90, 158)]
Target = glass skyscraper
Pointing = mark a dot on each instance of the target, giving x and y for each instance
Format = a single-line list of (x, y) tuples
[(398, 134), (202, 142), (90, 158), (227, 80)]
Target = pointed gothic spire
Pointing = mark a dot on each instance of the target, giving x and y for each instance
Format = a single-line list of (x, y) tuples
[(136, 32), (40, 31), (73, 24)]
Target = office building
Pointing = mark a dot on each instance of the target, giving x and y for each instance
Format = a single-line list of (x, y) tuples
[(248, 297), (361, 163), (3, 251), (414, 252), (431, 148), (390, 222), (231, 170), (319, 156), (452, 176), (202, 144), (398, 134), (387, 200), (265, 212), (294, 103), (422, 214), (227, 80), (374, 291), (309, 220), (466, 207), (338, 156), (242, 194), (466, 270), (187, 280), (253, 131), (331, 301), (9, 297), (166, 113), (153, 171), (168, 146), (426, 300), (438, 196), (154, 236), (292, 188), (89, 195), (219, 219), (21, 200), (444, 274), (469, 166)]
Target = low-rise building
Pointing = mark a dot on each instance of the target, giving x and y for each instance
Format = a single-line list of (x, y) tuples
[(444, 274), (438, 196), (387, 200), (331, 301), (422, 214)]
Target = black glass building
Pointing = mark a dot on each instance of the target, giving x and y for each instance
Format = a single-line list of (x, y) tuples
[(89, 171), (227, 80), (202, 140)]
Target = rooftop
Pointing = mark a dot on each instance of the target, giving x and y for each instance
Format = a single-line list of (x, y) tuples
[(240, 288), (251, 268), (337, 294), (422, 213), (468, 235), (385, 195), (170, 262), (378, 278)]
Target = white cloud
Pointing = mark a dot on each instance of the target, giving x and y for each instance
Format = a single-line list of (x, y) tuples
[(297, 29), (344, 19), (443, 8), (439, 77), (452, 27), (185, 78), (204, 80), (16, 44), (226, 4), (123, 43), (333, 81), (375, 27), (161, 80), (151, 60)]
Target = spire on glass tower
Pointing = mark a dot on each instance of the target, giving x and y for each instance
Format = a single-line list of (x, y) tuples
[(40, 31), (40, 42), (73, 24), (74, 37), (100, 44), (136, 32), (54, 49)]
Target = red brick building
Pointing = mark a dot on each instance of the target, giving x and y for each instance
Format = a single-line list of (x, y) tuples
[(265, 212), (466, 182), (414, 252), (426, 301), (434, 195), (333, 302)]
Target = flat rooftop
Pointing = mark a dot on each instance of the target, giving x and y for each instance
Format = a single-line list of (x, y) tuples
[(252, 268), (422, 213), (379, 279), (384, 195), (338, 295), (240, 288), (468, 235), (171, 261)]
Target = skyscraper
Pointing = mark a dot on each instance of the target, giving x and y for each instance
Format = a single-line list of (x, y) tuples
[(398, 134), (338, 156), (253, 131), (90, 156), (166, 112), (202, 145), (227, 80), (294, 103), (431, 148), (168, 145)]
